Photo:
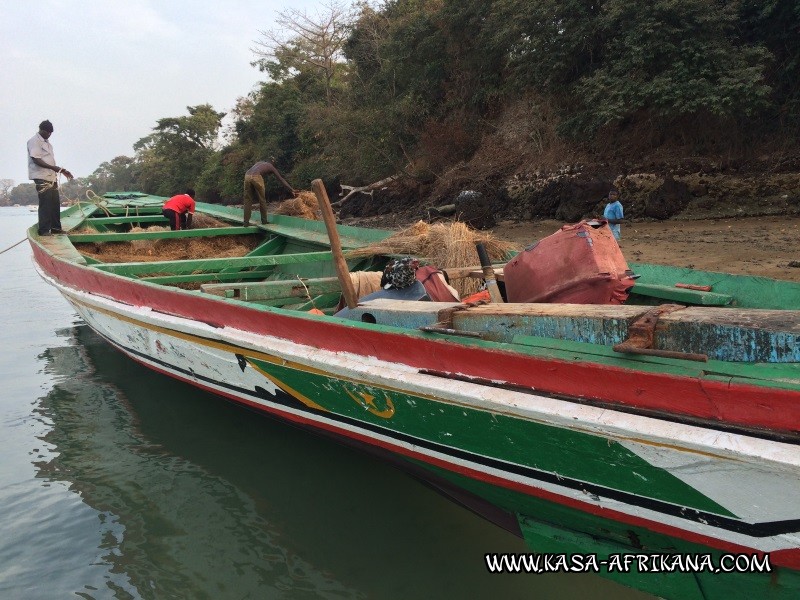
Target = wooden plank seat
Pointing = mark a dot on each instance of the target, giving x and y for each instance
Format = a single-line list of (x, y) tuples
[(211, 264), (274, 290), (682, 295), (121, 219), (322, 293)]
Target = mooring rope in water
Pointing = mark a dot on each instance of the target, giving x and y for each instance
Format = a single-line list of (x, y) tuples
[(13, 245)]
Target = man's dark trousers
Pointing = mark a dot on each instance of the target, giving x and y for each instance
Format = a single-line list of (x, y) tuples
[(49, 205)]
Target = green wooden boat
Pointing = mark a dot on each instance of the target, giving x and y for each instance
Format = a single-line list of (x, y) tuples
[(671, 466)]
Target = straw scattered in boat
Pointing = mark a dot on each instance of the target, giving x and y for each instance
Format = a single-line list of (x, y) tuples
[(201, 221), (446, 245), (170, 249)]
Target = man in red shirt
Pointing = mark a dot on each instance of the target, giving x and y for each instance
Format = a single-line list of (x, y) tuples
[(179, 210)]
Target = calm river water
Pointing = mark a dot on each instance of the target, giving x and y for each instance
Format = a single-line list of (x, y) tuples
[(116, 482)]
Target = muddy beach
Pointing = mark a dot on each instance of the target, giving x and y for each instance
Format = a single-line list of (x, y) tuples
[(764, 246)]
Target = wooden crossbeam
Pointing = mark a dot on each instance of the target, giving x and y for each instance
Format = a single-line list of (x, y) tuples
[(199, 277), (212, 264), (666, 292), (271, 290), (128, 219), (130, 211)]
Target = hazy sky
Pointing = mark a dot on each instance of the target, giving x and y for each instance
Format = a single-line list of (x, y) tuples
[(104, 71)]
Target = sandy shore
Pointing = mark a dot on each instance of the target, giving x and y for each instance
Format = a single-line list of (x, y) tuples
[(764, 246)]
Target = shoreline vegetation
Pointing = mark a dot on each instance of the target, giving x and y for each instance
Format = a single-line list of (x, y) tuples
[(416, 102)]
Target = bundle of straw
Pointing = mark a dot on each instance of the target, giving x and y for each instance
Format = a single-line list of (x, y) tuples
[(305, 206), (446, 245)]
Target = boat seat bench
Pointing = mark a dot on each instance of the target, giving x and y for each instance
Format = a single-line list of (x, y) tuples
[(665, 292), (274, 290), (212, 264)]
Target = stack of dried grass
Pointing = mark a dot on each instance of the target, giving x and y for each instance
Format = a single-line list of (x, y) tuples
[(446, 245), (305, 206)]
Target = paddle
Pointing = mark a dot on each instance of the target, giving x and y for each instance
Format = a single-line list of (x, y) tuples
[(342, 272)]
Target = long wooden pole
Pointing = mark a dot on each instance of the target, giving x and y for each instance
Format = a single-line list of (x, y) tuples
[(342, 271), (488, 274)]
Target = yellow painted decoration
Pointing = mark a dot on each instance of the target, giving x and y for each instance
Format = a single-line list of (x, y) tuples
[(367, 401), (291, 391)]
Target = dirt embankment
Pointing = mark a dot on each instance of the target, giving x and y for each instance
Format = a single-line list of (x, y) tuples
[(687, 215)]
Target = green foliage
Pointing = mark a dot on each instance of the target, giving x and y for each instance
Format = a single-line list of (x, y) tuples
[(24, 193), (775, 24), (671, 58), (118, 174), (546, 45), (173, 156), (411, 86)]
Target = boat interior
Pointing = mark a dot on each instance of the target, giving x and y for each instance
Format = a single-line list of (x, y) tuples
[(288, 264)]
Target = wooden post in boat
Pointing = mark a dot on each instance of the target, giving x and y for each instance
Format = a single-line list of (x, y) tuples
[(488, 274), (342, 272)]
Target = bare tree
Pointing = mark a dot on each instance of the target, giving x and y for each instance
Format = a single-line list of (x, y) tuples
[(302, 42), (5, 188)]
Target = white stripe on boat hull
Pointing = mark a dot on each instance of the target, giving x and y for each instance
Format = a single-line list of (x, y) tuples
[(721, 460)]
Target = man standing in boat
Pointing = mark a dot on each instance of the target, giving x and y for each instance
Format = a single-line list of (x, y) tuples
[(254, 188), (179, 210), (43, 171)]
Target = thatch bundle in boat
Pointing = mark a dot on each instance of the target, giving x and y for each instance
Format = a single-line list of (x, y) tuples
[(446, 245), (305, 206)]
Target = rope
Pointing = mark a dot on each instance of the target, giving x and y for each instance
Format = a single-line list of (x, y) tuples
[(13, 245), (97, 201), (308, 293)]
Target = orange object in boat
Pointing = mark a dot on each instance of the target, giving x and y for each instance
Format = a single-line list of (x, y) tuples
[(579, 264)]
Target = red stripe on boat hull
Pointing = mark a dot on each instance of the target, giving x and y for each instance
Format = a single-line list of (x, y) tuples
[(738, 404)]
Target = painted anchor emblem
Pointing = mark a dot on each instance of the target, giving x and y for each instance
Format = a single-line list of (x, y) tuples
[(367, 402)]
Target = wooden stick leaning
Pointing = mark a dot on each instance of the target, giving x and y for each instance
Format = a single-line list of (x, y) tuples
[(342, 272), (488, 274)]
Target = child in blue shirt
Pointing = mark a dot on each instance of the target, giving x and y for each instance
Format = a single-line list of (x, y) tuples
[(613, 213)]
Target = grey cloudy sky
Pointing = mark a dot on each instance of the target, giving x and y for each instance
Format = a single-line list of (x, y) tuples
[(105, 71)]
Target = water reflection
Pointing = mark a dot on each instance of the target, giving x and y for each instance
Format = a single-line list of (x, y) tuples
[(144, 453), (197, 498)]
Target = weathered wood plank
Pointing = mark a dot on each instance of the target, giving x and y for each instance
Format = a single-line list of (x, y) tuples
[(212, 264), (682, 295), (742, 335), (197, 277), (130, 211), (570, 350), (778, 320), (271, 290), (129, 219)]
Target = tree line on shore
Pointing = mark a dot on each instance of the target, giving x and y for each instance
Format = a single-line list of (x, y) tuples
[(418, 88)]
